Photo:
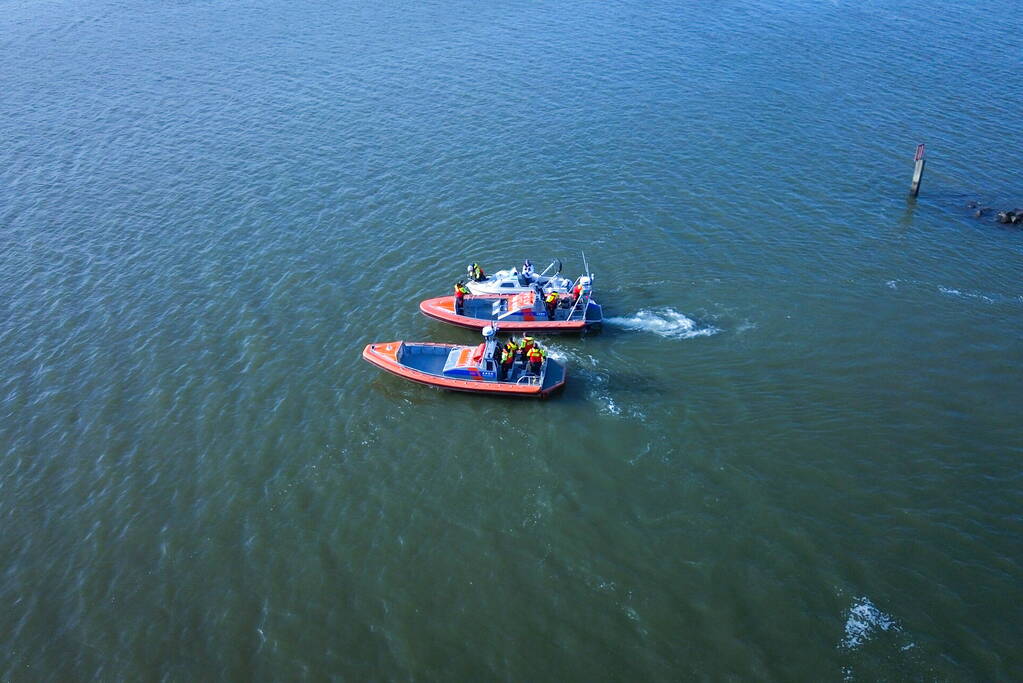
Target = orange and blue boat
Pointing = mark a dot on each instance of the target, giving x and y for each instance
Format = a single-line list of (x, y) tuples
[(527, 311), (472, 369)]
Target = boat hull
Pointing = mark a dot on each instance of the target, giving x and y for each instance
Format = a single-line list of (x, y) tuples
[(442, 308), (384, 356)]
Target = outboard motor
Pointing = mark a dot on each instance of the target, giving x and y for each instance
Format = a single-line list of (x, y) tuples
[(490, 341), (490, 360)]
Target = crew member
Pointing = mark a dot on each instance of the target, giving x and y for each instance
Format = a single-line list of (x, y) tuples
[(460, 291), (552, 304), (524, 347), (527, 271), (477, 272), (535, 358), (507, 358)]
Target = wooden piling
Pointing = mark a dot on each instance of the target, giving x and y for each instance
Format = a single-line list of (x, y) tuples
[(918, 171)]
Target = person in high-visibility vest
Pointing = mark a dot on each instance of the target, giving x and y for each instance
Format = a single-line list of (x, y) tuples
[(552, 304), (524, 346), (460, 291), (507, 359), (535, 358)]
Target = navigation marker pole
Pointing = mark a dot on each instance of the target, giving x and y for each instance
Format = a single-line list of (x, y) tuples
[(918, 171)]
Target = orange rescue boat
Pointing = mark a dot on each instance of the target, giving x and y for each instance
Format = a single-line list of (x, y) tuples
[(466, 368)]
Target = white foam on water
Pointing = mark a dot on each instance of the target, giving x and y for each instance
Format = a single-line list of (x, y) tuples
[(965, 295), (639, 456), (864, 620), (666, 322), (609, 406), (563, 354), (556, 354), (892, 284)]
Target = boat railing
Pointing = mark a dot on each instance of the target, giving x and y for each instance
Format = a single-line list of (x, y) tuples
[(530, 379), (583, 298), (576, 304), (558, 261)]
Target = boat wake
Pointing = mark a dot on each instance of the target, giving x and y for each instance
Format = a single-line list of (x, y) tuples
[(864, 620), (556, 353), (666, 322), (966, 295), (587, 369)]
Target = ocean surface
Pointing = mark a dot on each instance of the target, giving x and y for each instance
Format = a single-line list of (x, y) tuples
[(792, 453)]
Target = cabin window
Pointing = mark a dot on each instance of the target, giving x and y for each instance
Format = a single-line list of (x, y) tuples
[(508, 284)]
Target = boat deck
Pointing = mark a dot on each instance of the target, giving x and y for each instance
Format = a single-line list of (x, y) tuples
[(431, 359)]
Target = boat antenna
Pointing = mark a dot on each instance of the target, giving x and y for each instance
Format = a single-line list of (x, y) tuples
[(586, 266)]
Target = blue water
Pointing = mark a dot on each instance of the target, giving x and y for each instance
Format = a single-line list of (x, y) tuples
[(792, 453)]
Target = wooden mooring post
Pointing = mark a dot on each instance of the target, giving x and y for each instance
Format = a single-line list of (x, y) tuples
[(918, 171)]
